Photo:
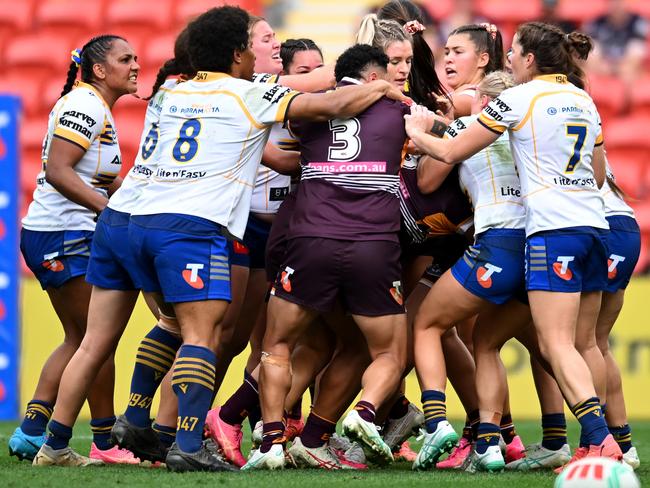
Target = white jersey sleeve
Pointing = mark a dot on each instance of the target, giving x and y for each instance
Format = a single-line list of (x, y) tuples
[(211, 136), (82, 118), (125, 198), (553, 127), (490, 180)]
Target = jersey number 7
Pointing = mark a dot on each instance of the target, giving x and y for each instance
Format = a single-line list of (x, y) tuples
[(580, 133)]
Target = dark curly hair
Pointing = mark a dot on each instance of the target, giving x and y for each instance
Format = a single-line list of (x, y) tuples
[(93, 52), (215, 35), (355, 60), (290, 47), (555, 51), (178, 65)]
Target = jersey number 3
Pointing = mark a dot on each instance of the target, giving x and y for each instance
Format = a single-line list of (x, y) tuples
[(580, 133), (346, 144)]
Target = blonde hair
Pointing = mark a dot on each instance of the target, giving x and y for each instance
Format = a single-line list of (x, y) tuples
[(253, 20), (381, 33), (494, 83)]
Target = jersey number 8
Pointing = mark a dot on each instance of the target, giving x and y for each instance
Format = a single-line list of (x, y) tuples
[(186, 145)]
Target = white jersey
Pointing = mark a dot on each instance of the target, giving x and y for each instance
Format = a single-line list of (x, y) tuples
[(489, 178), (211, 136), (124, 199), (614, 204), (553, 128), (81, 117), (270, 186)]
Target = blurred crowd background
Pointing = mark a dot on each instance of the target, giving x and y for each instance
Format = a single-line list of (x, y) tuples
[(36, 37)]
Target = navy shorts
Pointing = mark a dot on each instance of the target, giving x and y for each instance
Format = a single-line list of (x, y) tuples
[(56, 257), (255, 238), (364, 275), (184, 257), (112, 265), (624, 244), (493, 268), (276, 245), (567, 260)]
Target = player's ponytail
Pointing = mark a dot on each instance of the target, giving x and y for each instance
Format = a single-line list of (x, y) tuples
[(367, 30), (579, 47), (179, 65), (70, 78)]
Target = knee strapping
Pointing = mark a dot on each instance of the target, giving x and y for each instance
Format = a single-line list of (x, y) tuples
[(273, 360), (170, 324)]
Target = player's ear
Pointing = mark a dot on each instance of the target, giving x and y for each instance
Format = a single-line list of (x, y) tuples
[(237, 56)]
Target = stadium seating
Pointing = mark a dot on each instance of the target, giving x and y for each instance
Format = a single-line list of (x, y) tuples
[(580, 12), (609, 94), (640, 97), (69, 18), (28, 89)]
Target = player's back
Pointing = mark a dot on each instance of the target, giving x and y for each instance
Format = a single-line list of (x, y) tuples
[(350, 178)]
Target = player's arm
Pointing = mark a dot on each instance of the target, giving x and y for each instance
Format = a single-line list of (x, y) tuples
[(431, 173), (343, 102), (450, 151), (317, 80), (284, 162), (113, 187), (599, 164), (60, 173)]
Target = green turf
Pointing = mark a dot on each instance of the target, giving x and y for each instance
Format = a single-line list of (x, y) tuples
[(21, 475)]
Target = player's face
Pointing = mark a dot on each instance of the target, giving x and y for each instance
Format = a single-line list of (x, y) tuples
[(266, 48), (462, 62), (518, 63), (305, 62), (248, 63), (400, 57), (121, 68)]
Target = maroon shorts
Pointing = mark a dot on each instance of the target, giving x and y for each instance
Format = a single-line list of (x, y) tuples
[(276, 245), (364, 275)]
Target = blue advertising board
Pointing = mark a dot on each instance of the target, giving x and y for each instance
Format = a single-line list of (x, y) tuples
[(9, 260)]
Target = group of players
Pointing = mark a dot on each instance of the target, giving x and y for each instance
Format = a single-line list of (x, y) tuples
[(392, 225)]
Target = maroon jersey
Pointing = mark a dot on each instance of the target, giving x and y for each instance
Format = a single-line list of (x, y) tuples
[(436, 213), (349, 188)]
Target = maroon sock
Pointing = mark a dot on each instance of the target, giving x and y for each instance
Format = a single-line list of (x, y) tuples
[(366, 411), (399, 408), (317, 431), (272, 433), (296, 412), (236, 408)]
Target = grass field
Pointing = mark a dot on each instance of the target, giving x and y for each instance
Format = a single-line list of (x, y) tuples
[(21, 475)]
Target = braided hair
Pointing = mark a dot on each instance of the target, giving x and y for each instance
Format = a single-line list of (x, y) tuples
[(178, 65), (93, 52)]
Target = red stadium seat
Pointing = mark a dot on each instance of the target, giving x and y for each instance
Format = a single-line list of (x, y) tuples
[(51, 93), (27, 88), (641, 7), (32, 131), (15, 17), (30, 166), (69, 18), (609, 95), (439, 9), (640, 97), (580, 12), (186, 10), (629, 173), (158, 50), (151, 15), (507, 11), (39, 55)]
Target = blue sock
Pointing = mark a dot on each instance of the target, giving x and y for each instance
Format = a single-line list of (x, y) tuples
[(554, 431), (488, 435), (37, 415), (592, 422), (60, 435), (435, 411), (623, 436), (167, 435), (155, 356), (193, 383), (101, 429)]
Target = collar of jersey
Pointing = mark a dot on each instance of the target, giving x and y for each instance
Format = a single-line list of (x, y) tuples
[(81, 84), (205, 76), (554, 78)]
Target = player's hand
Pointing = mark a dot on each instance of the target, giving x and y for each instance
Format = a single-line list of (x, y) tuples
[(420, 119), (395, 93)]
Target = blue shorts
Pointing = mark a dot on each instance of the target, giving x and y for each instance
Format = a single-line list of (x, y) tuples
[(112, 265), (184, 257), (56, 257), (255, 239), (239, 254), (624, 244), (567, 260), (493, 268)]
